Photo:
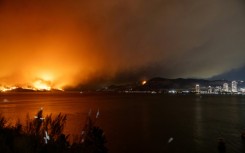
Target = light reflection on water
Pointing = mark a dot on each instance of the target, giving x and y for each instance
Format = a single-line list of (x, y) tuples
[(142, 123), (219, 117), (19, 105)]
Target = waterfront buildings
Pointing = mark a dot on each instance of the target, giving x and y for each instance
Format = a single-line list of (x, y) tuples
[(209, 89), (225, 87), (233, 86), (197, 88)]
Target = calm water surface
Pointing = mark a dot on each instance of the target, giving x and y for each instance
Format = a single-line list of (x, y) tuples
[(143, 123)]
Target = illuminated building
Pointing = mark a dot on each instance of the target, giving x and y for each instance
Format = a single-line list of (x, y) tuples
[(197, 88), (209, 89), (225, 87), (233, 86), (217, 89)]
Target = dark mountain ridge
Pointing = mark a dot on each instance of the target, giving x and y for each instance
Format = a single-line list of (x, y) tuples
[(159, 83), (181, 83)]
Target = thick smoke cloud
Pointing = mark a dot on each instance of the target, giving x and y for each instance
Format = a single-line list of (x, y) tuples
[(75, 42)]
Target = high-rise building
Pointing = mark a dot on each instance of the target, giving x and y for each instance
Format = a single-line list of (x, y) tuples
[(197, 88), (217, 89), (225, 87), (209, 89), (233, 86)]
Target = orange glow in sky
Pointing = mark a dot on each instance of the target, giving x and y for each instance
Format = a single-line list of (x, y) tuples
[(40, 46), (65, 44), (74, 42)]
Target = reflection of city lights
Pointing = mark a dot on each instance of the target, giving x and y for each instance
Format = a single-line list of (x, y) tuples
[(143, 82)]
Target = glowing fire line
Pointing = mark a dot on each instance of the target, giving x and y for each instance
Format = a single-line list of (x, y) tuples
[(39, 85)]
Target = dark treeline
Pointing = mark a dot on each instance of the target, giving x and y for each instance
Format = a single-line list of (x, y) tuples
[(45, 135)]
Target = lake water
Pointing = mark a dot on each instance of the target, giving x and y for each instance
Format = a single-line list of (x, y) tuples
[(143, 123)]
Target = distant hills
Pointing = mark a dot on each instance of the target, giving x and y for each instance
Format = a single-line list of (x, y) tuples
[(19, 89), (154, 84), (159, 83), (181, 83)]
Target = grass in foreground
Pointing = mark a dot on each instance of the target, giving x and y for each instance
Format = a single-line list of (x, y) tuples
[(41, 135)]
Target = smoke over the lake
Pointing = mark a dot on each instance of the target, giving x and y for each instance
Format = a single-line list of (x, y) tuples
[(75, 42)]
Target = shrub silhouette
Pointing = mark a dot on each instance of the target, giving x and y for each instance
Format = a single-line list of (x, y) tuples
[(92, 138), (45, 135)]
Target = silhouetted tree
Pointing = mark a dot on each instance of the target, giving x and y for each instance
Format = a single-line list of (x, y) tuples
[(31, 137)]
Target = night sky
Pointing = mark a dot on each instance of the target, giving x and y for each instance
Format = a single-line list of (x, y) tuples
[(70, 42)]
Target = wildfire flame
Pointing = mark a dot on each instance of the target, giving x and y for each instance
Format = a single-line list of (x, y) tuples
[(144, 82), (38, 85), (5, 89), (41, 85)]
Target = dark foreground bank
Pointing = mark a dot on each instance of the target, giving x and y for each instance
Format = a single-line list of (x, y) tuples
[(45, 135)]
